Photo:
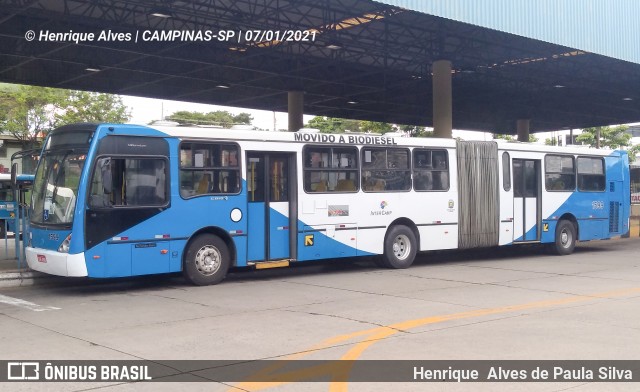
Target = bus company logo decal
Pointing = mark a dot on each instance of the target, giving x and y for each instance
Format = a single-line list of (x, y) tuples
[(383, 210), (450, 205), (338, 210)]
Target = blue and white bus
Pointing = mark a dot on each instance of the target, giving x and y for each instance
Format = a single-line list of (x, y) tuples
[(122, 200), (7, 205)]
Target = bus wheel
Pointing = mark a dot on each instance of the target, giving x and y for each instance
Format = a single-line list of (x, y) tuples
[(207, 260), (565, 238), (400, 247)]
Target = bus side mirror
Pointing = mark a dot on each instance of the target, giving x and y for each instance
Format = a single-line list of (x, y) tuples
[(105, 171), (14, 175)]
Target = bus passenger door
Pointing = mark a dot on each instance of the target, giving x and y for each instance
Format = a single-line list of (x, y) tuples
[(271, 217), (526, 200)]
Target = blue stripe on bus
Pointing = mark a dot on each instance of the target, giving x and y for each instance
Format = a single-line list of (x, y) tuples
[(278, 236), (255, 232)]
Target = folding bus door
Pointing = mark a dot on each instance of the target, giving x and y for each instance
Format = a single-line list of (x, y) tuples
[(526, 200), (271, 217)]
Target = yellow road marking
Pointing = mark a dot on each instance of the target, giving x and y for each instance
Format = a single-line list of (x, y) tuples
[(374, 335)]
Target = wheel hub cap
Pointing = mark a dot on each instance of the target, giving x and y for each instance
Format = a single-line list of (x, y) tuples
[(208, 260), (401, 247)]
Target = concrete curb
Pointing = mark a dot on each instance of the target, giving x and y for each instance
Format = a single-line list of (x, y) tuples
[(24, 277)]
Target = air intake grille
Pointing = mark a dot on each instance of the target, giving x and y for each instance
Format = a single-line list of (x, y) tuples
[(612, 186), (614, 216)]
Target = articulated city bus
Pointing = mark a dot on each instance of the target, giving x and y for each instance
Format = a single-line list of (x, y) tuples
[(122, 200)]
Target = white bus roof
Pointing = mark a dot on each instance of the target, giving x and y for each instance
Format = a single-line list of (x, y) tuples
[(315, 138)]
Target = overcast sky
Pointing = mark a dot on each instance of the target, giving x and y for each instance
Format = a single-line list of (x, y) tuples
[(145, 110)]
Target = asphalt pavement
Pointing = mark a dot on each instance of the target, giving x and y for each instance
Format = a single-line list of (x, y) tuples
[(509, 303)]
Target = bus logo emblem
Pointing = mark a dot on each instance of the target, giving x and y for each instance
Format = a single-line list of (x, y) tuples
[(23, 371)]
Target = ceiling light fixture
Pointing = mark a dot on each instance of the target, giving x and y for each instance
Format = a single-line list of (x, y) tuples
[(223, 85), (92, 69), (627, 99), (160, 13)]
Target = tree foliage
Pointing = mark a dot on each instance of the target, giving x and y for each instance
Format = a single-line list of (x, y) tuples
[(333, 125), (339, 125), (532, 138), (84, 106), (29, 113), (610, 137), (221, 118), (416, 131)]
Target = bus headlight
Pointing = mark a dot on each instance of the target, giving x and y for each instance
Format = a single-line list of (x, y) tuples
[(64, 247)]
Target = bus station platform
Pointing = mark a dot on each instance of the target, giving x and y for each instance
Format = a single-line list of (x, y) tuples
[(12, 272)]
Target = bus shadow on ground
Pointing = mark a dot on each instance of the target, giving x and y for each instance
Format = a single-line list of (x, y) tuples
[(356, 265)]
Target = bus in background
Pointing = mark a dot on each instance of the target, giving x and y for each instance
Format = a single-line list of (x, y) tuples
[(7, 205), (122, 200), (635, 184)]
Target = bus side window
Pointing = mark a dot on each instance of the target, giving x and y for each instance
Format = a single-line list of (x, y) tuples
[(101, 185), (330, 169), (209, 168), (134, 182), (430, 170)]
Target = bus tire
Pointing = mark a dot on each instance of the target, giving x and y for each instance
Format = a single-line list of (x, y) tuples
[(566, 237), (207, 260), (400, 247)]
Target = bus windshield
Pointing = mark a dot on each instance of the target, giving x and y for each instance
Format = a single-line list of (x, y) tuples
[(56, 186), (6, 193)]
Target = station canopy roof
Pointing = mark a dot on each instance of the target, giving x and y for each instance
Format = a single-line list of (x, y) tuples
[(368, 61)]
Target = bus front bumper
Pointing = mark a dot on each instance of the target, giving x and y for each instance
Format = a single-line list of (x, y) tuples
[(56, 263)]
